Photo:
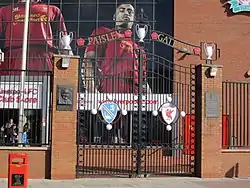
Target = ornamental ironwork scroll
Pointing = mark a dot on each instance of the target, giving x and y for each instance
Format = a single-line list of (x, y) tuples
[(175, 43)]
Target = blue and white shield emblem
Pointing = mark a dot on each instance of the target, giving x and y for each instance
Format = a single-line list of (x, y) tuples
[(109, 111)]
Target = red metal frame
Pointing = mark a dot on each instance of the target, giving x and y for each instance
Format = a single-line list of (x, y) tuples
[(189, 142), (190, 129), (225, 126)]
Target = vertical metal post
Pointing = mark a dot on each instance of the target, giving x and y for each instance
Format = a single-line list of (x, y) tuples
[(45, 108), (140, 92), (23, 71), (141, 124)]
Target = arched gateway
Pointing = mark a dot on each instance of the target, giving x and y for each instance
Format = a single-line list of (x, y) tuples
[(136, 109)]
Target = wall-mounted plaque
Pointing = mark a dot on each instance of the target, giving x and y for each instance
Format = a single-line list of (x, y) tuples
[(212, 105), (64, 98)]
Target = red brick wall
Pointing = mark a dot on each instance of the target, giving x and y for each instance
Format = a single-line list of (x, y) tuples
[(63, 149), (213, 21), (235, 163), (38, 162), (208, 130), (208, 20)]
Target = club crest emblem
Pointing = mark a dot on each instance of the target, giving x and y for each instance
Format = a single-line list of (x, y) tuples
[(239, 5), (170, 113), (109, 111)]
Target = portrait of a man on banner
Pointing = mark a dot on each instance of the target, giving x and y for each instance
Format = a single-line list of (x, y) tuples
[(111, 63)]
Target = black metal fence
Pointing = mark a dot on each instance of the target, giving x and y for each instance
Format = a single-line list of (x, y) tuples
[(36, 98), (139, 146), (236, 115)]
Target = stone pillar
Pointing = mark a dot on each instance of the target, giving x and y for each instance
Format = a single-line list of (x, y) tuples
[(208, 121), (64, 120)]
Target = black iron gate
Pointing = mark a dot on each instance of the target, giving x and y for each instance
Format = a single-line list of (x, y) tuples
[(138, 141)]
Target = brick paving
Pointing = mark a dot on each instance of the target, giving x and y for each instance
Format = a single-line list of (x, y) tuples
[(138, 183)]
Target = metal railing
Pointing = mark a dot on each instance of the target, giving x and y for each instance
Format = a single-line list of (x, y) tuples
[(36, 97), (134, 146), (236, 115)]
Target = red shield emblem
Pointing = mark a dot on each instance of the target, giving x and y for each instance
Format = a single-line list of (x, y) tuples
[(169, 113)]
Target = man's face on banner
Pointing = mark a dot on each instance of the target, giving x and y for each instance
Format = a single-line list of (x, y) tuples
[(124, 16)]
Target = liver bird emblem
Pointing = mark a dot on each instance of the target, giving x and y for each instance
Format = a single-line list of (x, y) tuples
[(169, 113)]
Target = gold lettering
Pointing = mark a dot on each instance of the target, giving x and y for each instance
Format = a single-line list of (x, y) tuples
[(103, 38), (99, 39), (96, 40), (113, 35), (90, 39), (107, 35), (33, 18), (170, 41), (165, 39), (44, 18), (18, 16), (160, 37)]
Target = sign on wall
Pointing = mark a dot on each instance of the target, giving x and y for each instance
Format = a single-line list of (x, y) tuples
[(128, 101), (239, 5), (11, 95)]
